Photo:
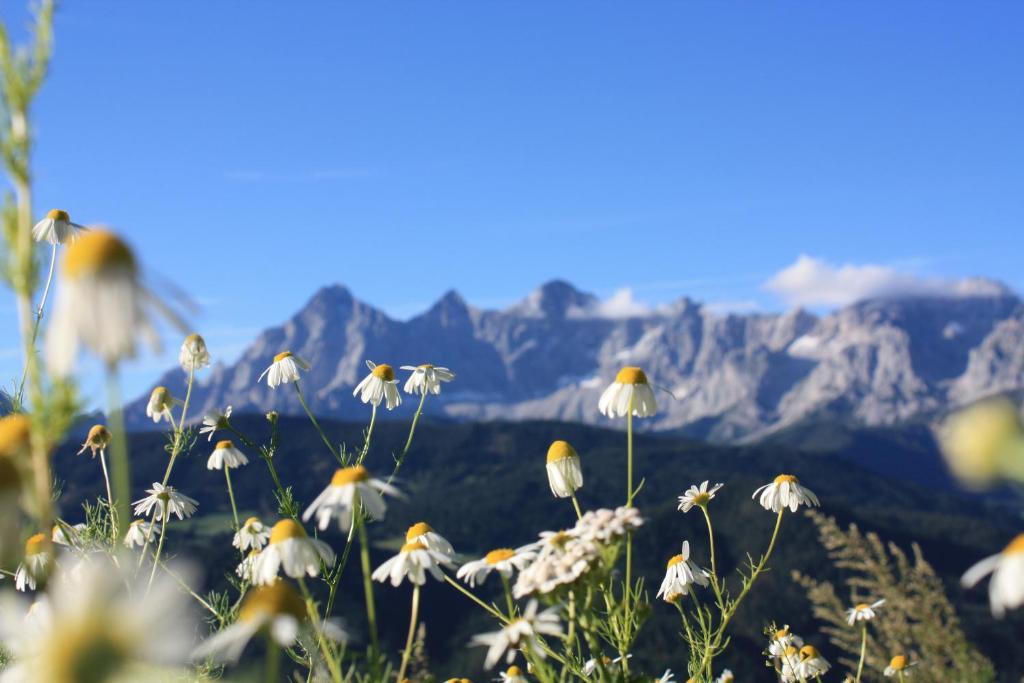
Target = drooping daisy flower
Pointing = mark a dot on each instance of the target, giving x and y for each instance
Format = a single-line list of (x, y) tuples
[(226, 455), (422, 532), (1006, 589), (784, 492), (899, 664), (426, 378), (513, 675), (56, 228), (213, 421), (984, 442), (252, 534), (247, 566), (520, 634), (274, 610), (36, 564), (807, 664), (698, 496), (349, 486), (680, 574), (630, 388), (101, 304), (161, 497), (193, 355), (284, 369), (379, 385), (413, 561), (565, 475), (502, 560), (97, 440), (293, 551), (784, 639), (862, 612), (138, 532), (726, 677), (160, 404)]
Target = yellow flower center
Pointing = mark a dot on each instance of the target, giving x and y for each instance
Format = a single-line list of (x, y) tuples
[(899, 662), (384, 372), (702, 498), (252, 520), (409, 547), (350, 475), (631, 375), (499, 555), (782, 633), (786, 478), (138, 522), (14, 434), (1016, 546), (514, 671), (226, 443), (808, 652), (285, 529), (281, 356), (98, 435), (35, 544), (861, 607), (417, 530), (560, 450), (194, 340), (96, 251), (791, 651), (160, 395), (58, 215), (90, 649), (676, 559), (277, 598), (429, 366)]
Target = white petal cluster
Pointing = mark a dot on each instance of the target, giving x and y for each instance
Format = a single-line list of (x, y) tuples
[(290, 550), (520, 634), (565, 473), (379, 386), (213, 421), (785, 492), (862, 612), (350, 487), (225, 454), (505, 561), (159, 405), (426, 379), (783, 640), (412, 562), (165, 497), (138, 532), (284, 369), (421, 532), (56, 228), (698, 495), (252, 534), (629, 390), (680, 574), (1006, 589), (193, 355), (803, 664)]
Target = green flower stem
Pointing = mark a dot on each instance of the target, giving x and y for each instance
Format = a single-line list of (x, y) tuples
[(508, 596), (110, 497), (39, 316), (314, 617), (179, 429), (863, 651), (576, 505), (714, 567), (273, 665), (488, 608), (231, 495), (119, 451), (369, 435), (312, 418), (629, 535), (371, 609), (413, 615), (408, 441), (160, 544)]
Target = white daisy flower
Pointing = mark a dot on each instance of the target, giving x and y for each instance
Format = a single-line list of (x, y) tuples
[(379, 385), (284, 369), (413, 561), (423, 533), (726, 677), (899, 664), (138, 532), (161, 496), (97, 440), (101, 304), (36, 564), (784, 492), (501, 560), (804, 664), (426, 378), (193, 355), (293, 551), (520, 634), (247, 566), (565, 474), (698, 496), (590, 666), (862, 612), (782, 640), (667, 677), (56, 228), (1006, 589), (160, 404), (349, 487), (68, 535), (513, 675), (226, 455), (275, 610), (252, 534), (629, 388), (680, 574), (213, 421)]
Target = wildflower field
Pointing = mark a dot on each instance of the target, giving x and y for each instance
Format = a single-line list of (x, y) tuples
[(279, 548)]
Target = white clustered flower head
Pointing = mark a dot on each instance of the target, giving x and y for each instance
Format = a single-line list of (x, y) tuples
[(413, 561), (252, 534), (1006, 589), (138, 532), (56, 228), (426, 378), (522, 633), (101, 304), (680, 574), (275, 609), (349, 487), (630, 388), (379, 385), (159, 405), (168, 497), (513, 675), (226, 455), (96, 441), (899, 665), (698, 496), (36, 564), (803, 664), (99, 606), (422, 532), (565, 474), (862, 612), (213, 421), (502, 560), (284, 369), (193, 355), (785, 492), (782, 640), (293, 551)]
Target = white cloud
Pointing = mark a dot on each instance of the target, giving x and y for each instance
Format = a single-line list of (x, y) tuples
[(621, 304), (811, 281), (741, 306)]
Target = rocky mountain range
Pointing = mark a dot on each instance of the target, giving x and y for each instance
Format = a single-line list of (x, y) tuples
[(723, 377)]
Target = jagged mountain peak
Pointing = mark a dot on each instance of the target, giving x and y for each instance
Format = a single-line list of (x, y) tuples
[(555, 299)]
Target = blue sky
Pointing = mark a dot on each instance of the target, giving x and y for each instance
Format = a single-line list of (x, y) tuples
[(252, 153)]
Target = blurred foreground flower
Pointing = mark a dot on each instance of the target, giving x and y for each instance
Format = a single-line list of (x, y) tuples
[(984, 442), (1006, 589), (803, 665), (36, 564), (520, 634)]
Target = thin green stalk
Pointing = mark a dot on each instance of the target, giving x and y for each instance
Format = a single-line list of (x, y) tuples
[(576, 506), (413, 616), (490, 610), (863, 651), (119, 451), (364, 558), (39, 315), (273, 665), (160, 544), (231, 495), (714, 566), (314, 618), (179, 428), (408, 441), (312, 418), (369, 436), (110, 497), (629, 535), (508, 596)]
